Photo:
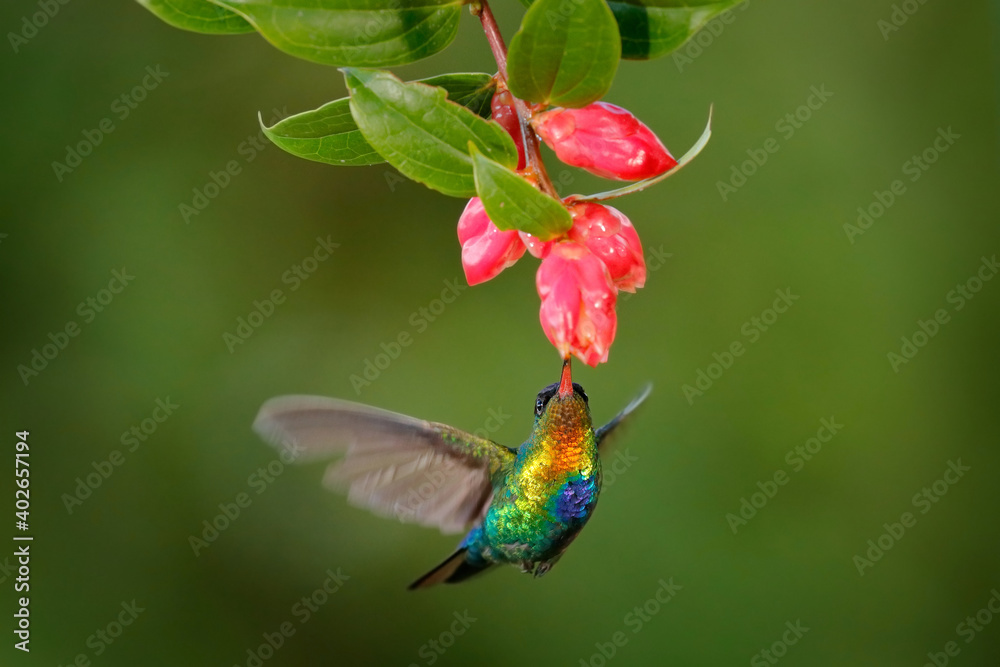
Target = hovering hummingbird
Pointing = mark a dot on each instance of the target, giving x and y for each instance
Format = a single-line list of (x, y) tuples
[(524, 506)]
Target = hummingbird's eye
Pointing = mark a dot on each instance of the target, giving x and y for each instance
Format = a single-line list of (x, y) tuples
[(539, 405)]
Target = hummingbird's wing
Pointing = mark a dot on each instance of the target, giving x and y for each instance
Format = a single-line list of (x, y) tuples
[(396, 466), (604, 431)]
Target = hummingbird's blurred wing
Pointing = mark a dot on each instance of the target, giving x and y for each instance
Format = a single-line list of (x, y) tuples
[(396, 466), (604, 431)]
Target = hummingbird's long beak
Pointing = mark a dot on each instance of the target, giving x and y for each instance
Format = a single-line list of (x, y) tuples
[(566, 381)]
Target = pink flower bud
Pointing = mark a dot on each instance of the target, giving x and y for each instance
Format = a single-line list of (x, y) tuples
[(578, 302), (605, 140), (535, 246), (486, 250), (505, 114), (611, 237)]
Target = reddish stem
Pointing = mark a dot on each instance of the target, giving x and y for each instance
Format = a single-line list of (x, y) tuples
[(493, 36), (532, 149)]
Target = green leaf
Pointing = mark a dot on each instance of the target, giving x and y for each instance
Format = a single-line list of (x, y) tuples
[(566, 53), (358, 33), (327, 134), (473, 91), (513, 203), (654, 28), (198, 16), (423, 134), (330, 135)]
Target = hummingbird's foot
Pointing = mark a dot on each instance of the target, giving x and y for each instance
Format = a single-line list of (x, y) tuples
[(544, 567)]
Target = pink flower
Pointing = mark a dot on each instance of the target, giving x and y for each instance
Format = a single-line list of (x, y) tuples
[(486, 251), (604, 139), (612, 238), (505, 114), (578, 302), (536, 247)]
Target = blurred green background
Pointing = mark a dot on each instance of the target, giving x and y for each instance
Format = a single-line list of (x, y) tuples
[(693, 461)]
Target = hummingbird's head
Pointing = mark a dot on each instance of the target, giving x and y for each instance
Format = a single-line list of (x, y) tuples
[(563, 406)]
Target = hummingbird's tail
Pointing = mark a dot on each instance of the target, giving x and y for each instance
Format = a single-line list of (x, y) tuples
[(454, 569)]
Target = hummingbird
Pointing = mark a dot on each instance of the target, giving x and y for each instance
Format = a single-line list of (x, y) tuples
[(521, 507)]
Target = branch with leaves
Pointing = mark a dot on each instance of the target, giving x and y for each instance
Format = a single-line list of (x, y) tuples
[(478, 136)]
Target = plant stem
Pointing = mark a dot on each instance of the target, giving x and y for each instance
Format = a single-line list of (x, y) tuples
[(493, 36), (532, 149)]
